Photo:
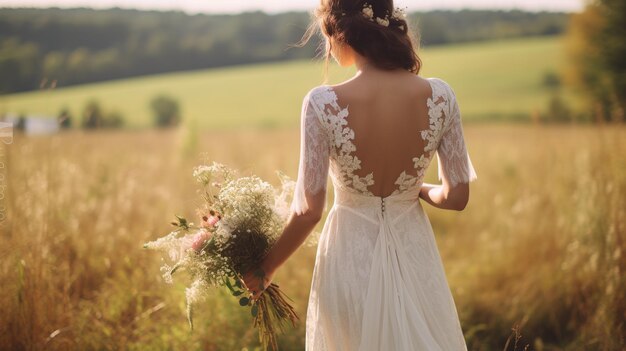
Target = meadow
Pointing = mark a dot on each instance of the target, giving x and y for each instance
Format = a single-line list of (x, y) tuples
[(540, 245), (495, 80), (540, 248)]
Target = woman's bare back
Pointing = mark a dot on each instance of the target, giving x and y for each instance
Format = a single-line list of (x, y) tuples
[(377, 135), (387, 112)]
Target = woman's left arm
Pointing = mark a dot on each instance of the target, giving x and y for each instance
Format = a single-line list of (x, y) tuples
[(444, 197), (298, 228), (308, 202)]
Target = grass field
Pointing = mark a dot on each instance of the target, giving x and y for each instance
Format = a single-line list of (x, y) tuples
[(500, 80), (541, 244)]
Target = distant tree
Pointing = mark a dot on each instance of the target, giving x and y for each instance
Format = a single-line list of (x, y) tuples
[(597, 51), (551, 80), (75, 46), (21, 123), (92, 115), (558, 110), (65, 119), (19, 65), (113, 119), (166, 111)]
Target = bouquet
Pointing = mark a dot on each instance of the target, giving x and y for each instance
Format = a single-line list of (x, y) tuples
[(240, 219)]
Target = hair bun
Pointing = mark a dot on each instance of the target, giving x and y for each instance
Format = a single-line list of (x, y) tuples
[(363, 27), (367, 11)]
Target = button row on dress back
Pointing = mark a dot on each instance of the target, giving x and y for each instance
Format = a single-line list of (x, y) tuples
[(382, 204)]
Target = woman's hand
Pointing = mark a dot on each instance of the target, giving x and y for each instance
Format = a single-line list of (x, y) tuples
[(257, 280)]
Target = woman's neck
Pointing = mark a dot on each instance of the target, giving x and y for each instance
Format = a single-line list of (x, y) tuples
[(363, 65), (368, 68)]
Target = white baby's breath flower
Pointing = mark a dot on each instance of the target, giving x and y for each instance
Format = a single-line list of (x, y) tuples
[(204, 173), (398, 13), (368, 11), (283, 196), (166, 271), (382, 21), (197, 291), (171, 244), (247, 206)]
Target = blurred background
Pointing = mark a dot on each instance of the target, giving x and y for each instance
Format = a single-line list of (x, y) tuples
[(105, 110)]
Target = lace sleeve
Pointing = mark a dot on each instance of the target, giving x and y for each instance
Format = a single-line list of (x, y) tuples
[(453, 159), (314, 157)]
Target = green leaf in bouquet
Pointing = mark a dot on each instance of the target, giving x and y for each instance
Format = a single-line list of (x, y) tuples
[(206, 245), (244, 301), (238, 283), (211, 242), (237, 293), (227, 282), (173, 270), (254, 310), (182, 222), (190, 315)]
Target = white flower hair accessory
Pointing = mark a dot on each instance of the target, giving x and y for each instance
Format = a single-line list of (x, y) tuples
[(382, 21), (368, 12), (398, 13)]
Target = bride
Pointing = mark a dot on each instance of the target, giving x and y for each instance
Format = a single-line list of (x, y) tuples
[(378, 281)]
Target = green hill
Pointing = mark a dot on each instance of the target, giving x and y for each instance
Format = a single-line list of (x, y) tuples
[(83, 45), (496, 80)]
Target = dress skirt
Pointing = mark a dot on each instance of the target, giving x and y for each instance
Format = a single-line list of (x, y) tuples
[(378, 281)]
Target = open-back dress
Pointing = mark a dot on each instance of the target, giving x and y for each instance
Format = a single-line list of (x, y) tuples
[(378, 281)]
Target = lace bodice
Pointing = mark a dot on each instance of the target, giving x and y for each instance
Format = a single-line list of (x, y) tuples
[(327, 144)]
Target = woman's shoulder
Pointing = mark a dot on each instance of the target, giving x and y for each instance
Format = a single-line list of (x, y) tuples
[(441, 86), (326, 93), (316, 90), (321, 94)]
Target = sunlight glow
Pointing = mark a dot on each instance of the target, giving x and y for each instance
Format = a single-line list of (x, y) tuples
[(274, 6)]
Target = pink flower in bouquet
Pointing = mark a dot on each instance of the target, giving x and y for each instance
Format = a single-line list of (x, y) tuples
[(200, 239), (210, 220)]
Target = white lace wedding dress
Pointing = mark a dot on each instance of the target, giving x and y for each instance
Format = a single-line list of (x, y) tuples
[(378, 282)]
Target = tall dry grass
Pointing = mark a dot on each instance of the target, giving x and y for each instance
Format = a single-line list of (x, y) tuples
[(541, 244)]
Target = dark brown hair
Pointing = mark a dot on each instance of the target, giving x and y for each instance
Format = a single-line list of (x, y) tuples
[(387, 47)]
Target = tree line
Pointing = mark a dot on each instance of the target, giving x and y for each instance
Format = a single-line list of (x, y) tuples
[(81, 45), (596, 49)]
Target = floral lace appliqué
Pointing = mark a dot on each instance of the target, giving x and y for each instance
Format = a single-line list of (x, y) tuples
[(436, 104), (341, 136)]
